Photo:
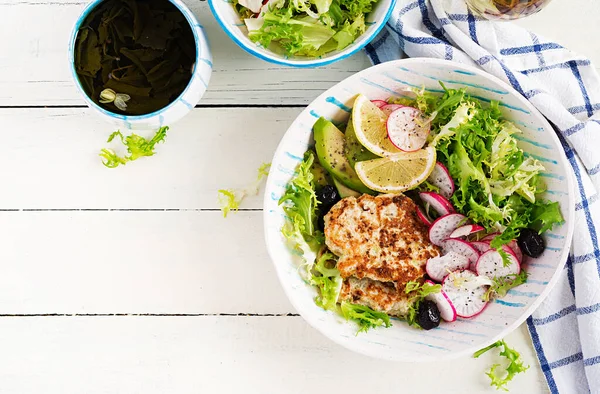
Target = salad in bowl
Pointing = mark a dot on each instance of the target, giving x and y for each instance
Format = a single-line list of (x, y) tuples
[(302, 33), (422, 203)]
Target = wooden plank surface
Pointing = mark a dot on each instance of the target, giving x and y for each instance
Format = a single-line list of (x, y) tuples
[(266, 355), (35, 70), (185, 262), (53, 159)]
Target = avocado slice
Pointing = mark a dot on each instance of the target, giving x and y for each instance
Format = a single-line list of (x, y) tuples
[(330, 144), (355, 152), (320, 175), (345, 191)]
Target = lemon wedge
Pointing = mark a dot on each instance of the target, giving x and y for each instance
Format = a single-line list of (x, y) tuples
[(399, 172), (370, 127)]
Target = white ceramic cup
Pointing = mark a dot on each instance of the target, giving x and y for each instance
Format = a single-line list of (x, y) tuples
[(176, 109)]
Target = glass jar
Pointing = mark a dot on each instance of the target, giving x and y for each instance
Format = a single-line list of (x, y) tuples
[(506, 9)]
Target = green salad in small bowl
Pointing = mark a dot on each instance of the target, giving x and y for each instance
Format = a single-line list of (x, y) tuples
[(302, 33)]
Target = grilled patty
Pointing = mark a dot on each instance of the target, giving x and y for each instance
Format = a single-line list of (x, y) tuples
[(379, 296), (379, 238)]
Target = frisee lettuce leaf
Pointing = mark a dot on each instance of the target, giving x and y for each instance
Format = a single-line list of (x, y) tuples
[(501, 285), (419, 292), (230, 199), (298, 30), (300, 205), (497, 184), (137, 146), (328, 280), (365, 317), (515, 365)]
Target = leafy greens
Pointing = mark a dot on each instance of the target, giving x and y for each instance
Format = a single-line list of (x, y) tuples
[(497, 183), (137, 146), (515, 365), (300, 205), (307, 27), (230, 199), (365, 317)]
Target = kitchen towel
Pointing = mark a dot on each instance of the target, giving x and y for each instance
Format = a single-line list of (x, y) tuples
[(565, 88)]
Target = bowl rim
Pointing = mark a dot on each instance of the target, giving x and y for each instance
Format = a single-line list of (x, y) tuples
[(193, 22), (569, 220), (310, 63)]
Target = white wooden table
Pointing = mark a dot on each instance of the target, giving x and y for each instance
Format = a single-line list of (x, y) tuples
[(130, 280)]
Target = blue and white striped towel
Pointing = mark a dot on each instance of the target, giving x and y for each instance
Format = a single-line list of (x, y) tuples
[(565, 88)]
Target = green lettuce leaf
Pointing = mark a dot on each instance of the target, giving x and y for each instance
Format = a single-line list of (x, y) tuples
[(137, 146), (501, 285), (328, 280), (365, 317), (514, 365), (230, 199), (300, 205), (350, 32)]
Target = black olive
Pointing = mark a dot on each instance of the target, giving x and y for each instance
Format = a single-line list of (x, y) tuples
[(327, 196), (428, 315), (531, 243)]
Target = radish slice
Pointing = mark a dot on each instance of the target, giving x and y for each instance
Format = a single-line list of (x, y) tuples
[(490, 264), (440, 177), (438, 267), (389, 108), (516, 249), (423, 217), (379, 103), (465, 230), (443, 227), (445, 306), (490, 237), (461, 247), (438, 202), (465, 290), (407, 129), (481, 246)]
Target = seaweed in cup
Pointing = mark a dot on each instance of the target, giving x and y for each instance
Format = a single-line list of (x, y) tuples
[(134, 57)]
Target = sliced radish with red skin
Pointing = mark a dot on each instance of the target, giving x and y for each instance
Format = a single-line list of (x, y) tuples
[(461, 247), (445, 306), (407, 129), (423, 217), (466, 230), (443, 227), (465, 291), (438, 267), (490, 237), (439, 203), (379, 103), (389, 108), (481, 246), (490, 264), (515, 248), (440, 177)]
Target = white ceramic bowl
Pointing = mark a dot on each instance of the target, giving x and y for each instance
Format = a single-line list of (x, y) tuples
[(465, 336), (235, 28), (175, 110)]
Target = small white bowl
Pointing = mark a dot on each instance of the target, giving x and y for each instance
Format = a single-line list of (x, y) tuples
[(180, 106), (235, 28), (450, 340)]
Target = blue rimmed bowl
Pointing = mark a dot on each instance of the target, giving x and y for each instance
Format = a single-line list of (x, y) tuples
[(464, 336), (180, 106), (234, 26)]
